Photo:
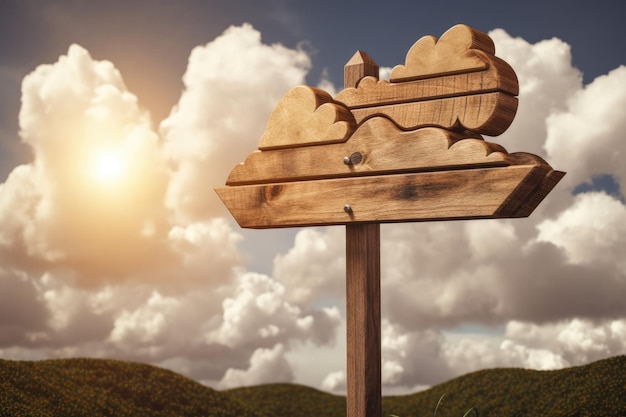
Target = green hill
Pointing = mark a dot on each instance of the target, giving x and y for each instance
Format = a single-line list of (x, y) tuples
[(97, 387), (597, 389)]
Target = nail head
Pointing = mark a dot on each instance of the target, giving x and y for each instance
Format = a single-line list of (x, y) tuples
[(354, 158)]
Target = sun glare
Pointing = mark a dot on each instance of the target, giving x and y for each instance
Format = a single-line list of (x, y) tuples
[(108, 167)]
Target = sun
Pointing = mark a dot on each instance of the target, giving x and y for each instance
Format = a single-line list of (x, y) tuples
[(108, 167)]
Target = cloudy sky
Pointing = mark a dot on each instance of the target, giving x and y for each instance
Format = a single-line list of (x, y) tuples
[(118, 118)]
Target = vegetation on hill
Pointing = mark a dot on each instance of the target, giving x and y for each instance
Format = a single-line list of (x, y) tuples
[(597, 389), (290, 400), (97, 387)]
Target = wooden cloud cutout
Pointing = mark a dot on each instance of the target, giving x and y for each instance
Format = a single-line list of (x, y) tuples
[(455, 83), (460, 50), (305, 116), (409, 149)]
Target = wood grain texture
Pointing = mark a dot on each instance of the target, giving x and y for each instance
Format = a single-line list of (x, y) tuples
[(373, 92), (363, 320), (489, 113), (540, 191), (427, 196), (455, 82), (307, 116), (460, 49), (384, 148)]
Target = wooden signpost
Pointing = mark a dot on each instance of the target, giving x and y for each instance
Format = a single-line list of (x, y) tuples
[(404, 150)]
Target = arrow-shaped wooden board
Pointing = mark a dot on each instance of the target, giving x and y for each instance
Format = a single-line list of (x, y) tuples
[(384, 174)]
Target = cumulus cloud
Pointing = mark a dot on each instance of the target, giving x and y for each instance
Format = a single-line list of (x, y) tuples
[(259, 314), (73, 113), (231, 86), (547, 81), (575, 341), (334, 382), (315, 267), (588, 133), (266, 366), (590, 231), (21, 313), (212, 242), (400, 350), (145, 324), (556, 345)]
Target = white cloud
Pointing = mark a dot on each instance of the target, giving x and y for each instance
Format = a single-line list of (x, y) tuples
[(384, 73), (314, 267), (590, 231), (586, 138), (412, 358), (335, 382), (231, 86), (576, 341), (145, 324), (474, 352), (527, 345), (212, 242), (22, 314), (72, 112), (256, 312), (266, 366), (547, 81), (259, 315)]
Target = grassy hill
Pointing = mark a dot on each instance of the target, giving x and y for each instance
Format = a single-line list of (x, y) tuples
[(598, 389), (96, 387)]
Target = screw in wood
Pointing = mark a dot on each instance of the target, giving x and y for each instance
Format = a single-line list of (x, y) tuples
[(353, 159), (347, 208)]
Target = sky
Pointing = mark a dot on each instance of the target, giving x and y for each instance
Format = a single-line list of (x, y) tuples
[(118, 118)]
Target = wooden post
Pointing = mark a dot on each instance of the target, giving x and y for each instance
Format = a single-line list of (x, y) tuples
[(363, 379), (363, 320)]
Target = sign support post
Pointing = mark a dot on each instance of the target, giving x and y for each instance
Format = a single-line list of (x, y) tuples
[(363, 380), (363, 377)]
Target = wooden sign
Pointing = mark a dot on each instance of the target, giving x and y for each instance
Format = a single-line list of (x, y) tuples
[(408, 149), (404, 150)]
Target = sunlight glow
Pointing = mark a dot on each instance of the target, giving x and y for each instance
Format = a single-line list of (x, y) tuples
[(108, 167)]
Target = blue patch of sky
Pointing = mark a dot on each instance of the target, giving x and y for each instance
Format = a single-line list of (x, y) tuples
[(605, 183)]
